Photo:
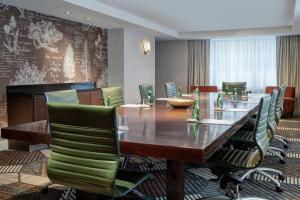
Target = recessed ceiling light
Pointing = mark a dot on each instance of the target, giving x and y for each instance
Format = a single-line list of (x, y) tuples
[(88, 18), (67, 12)]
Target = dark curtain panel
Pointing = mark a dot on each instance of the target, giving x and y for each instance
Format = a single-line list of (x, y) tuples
[(198, 62), (288, 64)]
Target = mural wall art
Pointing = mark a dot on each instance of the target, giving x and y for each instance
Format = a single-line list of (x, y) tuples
[(37, 48)]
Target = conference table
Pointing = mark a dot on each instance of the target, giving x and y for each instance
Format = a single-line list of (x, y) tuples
[(162, 131)]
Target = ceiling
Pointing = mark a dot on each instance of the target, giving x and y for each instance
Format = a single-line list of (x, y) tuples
[(208, 15), (178, 19)]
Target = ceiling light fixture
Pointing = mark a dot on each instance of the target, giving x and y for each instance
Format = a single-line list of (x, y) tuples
[(88, 18), (67, 12)]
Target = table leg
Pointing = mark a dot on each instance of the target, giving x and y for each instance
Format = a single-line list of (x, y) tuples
[(175, 180)]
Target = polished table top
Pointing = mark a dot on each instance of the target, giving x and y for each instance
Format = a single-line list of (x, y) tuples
[(162, 131)]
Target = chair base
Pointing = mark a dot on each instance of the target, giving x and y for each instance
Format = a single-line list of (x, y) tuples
[(235, 195), (283, 140), (279, 154), (149, 162), (263, 171), (46, 190)]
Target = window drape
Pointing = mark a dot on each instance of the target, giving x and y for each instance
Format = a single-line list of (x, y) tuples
[(243, 59), (198, 62), (288, 64)]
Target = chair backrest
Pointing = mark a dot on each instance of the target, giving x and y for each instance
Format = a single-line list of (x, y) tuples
[(272, 125), (170, 89), (85, 153), (260, 129), (144, 90), (62, 96), (279, 103), (289, 91), (115, 94), (269, 89), (204, 88), (240, 86)]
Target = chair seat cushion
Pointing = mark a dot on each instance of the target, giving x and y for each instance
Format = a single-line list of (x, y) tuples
[(250, 124), (235, 159), (127, 180), (216, 198), (245, 137)]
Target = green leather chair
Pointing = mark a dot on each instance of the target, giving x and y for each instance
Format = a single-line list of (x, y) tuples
[(170, 88), (245, 135), (62, 96), (279, 103), (278, 108), (85, 153), (115, 94), (240, 86), (279, 113), (235, 165), (144, 90)]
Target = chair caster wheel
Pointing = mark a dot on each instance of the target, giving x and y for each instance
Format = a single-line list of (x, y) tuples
[(281, 177), (282, 161), (44, 190), (286, 146), (231, 194), (282, 154), (279, 189), (151, 165)]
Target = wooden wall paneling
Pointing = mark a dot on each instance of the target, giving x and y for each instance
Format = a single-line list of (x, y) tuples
[(96, 97), (20, 109), (39, 108), (84, 97)]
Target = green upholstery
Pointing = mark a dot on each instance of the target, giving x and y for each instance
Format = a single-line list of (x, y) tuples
[(235, 159), (62, 96), (279, 103), (170, 89), (240, 86), (272, 125), (144, 90), (85, 154), (245, 134), (115, 94)]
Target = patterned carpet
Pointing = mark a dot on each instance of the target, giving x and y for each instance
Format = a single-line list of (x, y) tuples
[(23, 175)]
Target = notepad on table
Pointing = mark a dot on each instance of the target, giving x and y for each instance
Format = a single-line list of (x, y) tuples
[(162, 99), (187, 95), (135, 106), (237, 110), (217, 121)]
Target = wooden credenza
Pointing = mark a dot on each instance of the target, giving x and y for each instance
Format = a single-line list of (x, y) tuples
[(26, 103)]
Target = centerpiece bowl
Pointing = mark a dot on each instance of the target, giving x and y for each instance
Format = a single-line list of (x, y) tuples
[(180, 103)]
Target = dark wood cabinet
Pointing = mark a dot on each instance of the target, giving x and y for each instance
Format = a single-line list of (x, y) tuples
[(28, 104), (39, 108)]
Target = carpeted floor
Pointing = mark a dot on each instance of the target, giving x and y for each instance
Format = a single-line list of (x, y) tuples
[(23, 174)]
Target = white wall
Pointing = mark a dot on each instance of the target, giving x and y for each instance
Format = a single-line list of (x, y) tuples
[(171, 64), (116, 57), (127, 64), (139, 68)]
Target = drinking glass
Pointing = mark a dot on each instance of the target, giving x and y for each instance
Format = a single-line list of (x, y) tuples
[(216, 106), (146, 102), (122, 123)]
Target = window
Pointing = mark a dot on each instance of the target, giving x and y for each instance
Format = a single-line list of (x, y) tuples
[(244, 59)]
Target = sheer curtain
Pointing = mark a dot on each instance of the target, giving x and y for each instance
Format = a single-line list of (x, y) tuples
[(244, 59)]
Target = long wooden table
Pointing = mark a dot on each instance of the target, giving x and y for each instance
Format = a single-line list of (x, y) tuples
[(162, 131)]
